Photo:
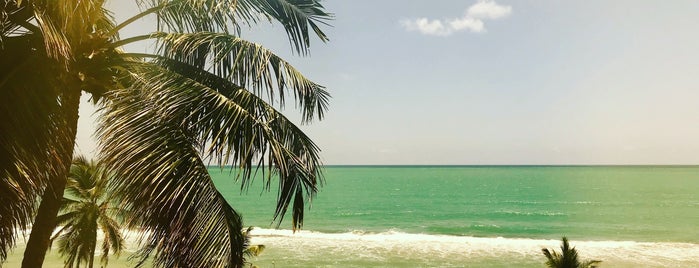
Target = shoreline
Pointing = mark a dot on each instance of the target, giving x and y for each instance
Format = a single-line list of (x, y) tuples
[(307, 248)]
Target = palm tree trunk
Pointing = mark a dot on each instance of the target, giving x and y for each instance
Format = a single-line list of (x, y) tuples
[(45, 221), (93, 242), (92, 255)]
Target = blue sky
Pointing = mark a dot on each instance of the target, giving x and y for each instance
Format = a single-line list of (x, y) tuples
[(499, 82)]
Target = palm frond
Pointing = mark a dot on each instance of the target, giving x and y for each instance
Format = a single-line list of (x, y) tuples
[(31, 124), (55, 40), (254, 250), (296, 16), (113, 239), (74, 18), (568, 258), (232, 125), (192, 15), (246, 64), (161, 178), (78, 239), (14, 19), (552, 258), (85, 212), (590, 264)]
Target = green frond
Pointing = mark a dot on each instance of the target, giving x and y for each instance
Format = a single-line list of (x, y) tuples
[(296, 16), (14, 19), (85, 211), (251, 250), (590, 264), (254, 250), (568, 258), (113, 239), (232, 125), (246, 64), (190, 16), (162, 180), (74, 19), (32, 132)]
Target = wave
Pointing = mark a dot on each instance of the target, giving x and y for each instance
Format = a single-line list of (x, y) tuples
[(360, 244), (538, 213), (527, 202)]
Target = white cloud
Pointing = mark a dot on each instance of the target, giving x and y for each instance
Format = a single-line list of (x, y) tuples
[(472, 21), (426, 26), (467, 23), (488, 10)]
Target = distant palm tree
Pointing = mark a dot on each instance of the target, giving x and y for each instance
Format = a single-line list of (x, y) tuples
[(568, 258), (87, 208), (251, 250)]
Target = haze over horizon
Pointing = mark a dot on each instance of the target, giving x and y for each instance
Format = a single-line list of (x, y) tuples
[(497, 82)]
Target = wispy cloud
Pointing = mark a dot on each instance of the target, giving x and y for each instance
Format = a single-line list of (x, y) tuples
[(471, 21)]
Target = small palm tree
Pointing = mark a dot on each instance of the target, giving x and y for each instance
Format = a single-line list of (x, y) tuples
[(86, 208), (251, 250), (568, 258)]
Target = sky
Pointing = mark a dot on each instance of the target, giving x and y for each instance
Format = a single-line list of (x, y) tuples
[(495, 82)]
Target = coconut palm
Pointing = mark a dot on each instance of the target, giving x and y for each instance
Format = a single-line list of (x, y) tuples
[(205, 95), (251, 251), (568, 258), (87, 208)]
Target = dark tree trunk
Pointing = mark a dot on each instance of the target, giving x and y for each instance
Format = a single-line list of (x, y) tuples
[(92, 256), (45, 221)]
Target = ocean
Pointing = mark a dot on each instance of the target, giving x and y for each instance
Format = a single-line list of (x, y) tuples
[(479, 216), (484, 216)]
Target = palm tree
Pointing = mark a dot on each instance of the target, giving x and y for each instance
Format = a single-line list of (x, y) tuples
[(568, 258), (87, 207), (251, 250), (204, 96)]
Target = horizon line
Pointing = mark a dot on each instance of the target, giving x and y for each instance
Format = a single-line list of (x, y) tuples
[(496, 165), (521, 165)]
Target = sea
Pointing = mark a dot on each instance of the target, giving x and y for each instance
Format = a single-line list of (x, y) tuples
[(475, 216)]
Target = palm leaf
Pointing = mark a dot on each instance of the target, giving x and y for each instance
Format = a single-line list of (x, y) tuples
[(245, 64), (55, 41), (191, 15), (86, 210), (113, 239), (166, 185), (296, 16), (235, 126), (568, 258), (14, 18), (29, 145), (590, 264), (215, 16)]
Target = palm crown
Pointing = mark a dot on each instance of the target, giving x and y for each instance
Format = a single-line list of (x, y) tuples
[(87, 208), (568, 258), (204, 95)]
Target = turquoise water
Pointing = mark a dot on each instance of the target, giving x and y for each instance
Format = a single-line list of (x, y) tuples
[(479, 216), (484, 216), (657, 204)]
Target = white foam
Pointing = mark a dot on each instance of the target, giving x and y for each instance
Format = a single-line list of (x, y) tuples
[(382, 247), (358, 244)]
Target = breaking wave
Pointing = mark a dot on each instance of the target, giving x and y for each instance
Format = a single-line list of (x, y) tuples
[(396, 244)]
